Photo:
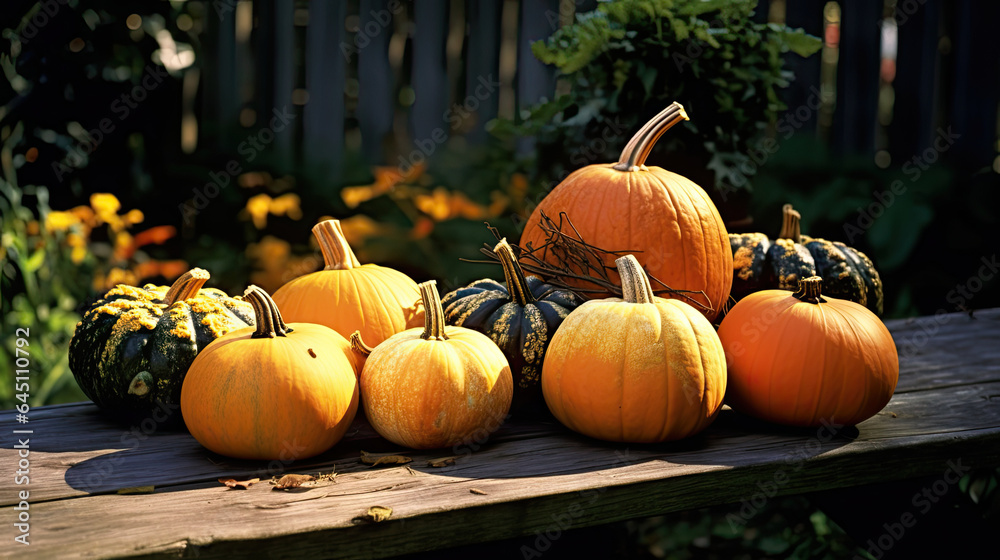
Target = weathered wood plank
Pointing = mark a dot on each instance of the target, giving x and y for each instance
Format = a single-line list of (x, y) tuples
[(78, 452)]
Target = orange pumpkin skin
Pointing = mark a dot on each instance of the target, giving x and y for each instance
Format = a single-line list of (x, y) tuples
[(800, 363), (286, 397), (638, 372), (672, 224), (347, 296), (436, 387)]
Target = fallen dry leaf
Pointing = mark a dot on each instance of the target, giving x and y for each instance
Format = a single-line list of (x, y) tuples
[(292, 481), (243, 484), (137, 490), (442, 462), (369, 459), (377, 514), (477, 491)]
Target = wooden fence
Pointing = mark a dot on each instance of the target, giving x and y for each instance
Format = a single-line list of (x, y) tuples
[(384, 76)]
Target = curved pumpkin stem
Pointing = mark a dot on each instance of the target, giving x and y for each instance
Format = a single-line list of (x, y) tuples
[(810, 290), (790, 226), (517, 284), (337, 253), (637, 150), (186, 286), (635, 283), (433, 313), (359, 346), (269, 322)]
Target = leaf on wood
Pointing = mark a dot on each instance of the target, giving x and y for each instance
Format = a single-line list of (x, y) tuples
[(373, 460), (442, 462), (137, 490), (292, 481), (477, 491), (377, 514), (242, 484)]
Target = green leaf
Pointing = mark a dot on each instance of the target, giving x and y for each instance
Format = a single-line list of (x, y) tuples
[(798, 41), (34, 262)]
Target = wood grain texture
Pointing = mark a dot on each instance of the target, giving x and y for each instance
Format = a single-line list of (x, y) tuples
[(534, 477)]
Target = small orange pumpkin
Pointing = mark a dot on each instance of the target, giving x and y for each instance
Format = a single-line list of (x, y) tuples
[(348, 296), (803, 358), (628, 206), (640, 369), (436, 387), (277, 392)]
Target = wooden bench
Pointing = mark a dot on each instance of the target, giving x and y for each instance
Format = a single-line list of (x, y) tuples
[(90, 479)]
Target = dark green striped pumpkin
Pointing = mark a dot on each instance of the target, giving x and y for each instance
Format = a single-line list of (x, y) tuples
[(132, 349), (520, 316), (760, 263)]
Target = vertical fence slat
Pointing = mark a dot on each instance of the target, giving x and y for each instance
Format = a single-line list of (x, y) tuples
[(760, 14), (323, 126), (375, 82), (535, 80), (483, 60), (804, 91), (284, 76), (858, 76), (976, 83), (917, 68), (429, 74)]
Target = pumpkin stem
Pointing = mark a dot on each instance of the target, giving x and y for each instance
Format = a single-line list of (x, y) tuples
[(269, 321), (637, 150), (337, 254), (517, 284), (186, 286), (359, 345), (635, 283), (810, 290), (433, 313), (790, 228)]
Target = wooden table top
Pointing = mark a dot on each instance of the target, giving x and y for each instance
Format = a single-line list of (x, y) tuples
[(526, 478)]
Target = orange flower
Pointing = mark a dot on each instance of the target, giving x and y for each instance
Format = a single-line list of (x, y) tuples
[(155, 235)]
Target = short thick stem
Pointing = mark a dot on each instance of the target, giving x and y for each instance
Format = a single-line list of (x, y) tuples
[(635, 283), (359, 346), (269, 322), (433, 313), (517, 284), (337, 253), (810, 290), (790, 226), (186, 286), (638, 148)]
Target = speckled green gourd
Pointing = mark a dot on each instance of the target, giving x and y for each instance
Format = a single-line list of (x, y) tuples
[(133, 347), (520, 316), (760, 263)]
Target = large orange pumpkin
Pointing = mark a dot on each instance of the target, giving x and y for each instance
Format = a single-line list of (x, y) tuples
[(438, 386), (275, 392), (802, 358), (629, 206), (641, 369), (348, 296)]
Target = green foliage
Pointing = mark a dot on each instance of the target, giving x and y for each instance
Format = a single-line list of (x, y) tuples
[(627, 60)]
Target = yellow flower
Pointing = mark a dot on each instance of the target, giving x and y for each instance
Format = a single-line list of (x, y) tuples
[(286, 205), (257, 207), (133, 217), (106, 206), (60, 221)]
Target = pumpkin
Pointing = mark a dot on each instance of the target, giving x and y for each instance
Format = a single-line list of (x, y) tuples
[(667, 219), (348, 296), (637, 369), (275, 392), (434, 387), (760, 263), (130, 352), (803, 358), (520, 315)]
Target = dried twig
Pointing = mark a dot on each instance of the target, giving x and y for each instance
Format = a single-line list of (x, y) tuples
[(579, 262)]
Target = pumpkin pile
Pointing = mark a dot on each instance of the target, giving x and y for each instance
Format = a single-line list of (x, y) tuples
[(282, 378)]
